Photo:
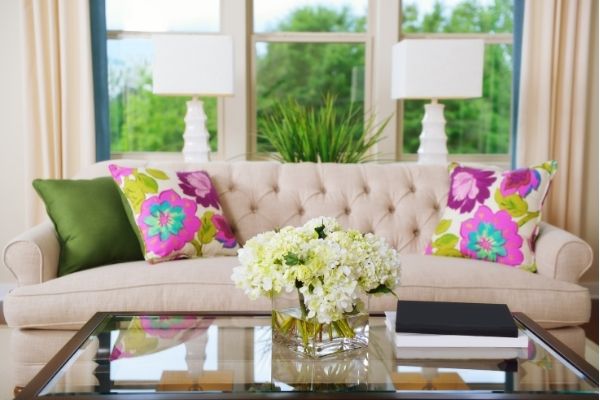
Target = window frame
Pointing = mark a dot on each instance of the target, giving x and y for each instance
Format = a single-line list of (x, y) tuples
[(501, 160), (237, 137), (301, 37), (114, 34)]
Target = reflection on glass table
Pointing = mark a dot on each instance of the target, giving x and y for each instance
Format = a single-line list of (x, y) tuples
[(130, 353)]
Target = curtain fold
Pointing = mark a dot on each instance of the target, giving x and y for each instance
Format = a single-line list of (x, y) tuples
[(554, 93), (59, 124)]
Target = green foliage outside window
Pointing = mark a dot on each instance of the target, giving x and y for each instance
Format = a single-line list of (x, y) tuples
[(305, 72), (472, 125), (143, 121)]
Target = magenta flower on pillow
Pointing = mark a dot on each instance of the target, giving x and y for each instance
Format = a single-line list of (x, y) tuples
[(197, 184), (224, 233), (118, 173), (491, 236), (469, 186), (167, 222), (522, 180)]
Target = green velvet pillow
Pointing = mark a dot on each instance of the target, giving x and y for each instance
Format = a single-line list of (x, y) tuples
[(90, 221)]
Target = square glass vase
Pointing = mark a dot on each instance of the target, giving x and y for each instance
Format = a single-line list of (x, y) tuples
[(308, 337)]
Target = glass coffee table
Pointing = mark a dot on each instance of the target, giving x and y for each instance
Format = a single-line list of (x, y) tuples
[(231, 355)]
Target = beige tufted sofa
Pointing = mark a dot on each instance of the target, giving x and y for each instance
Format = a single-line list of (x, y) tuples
[(401, 202)]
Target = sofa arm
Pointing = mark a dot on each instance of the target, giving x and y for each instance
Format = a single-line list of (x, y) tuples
[(32, 257), (561, 255)]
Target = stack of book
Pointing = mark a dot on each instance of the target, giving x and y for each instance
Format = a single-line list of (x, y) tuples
[(444, 330)]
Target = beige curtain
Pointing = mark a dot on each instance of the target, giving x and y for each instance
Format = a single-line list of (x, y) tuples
[(58, 91), (554, 97)]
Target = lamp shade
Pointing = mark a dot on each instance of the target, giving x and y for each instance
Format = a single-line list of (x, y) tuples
[(437, 68), (193, 65)]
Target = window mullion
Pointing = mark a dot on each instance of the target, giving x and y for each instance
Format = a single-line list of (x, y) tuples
[(385, 29), (234, 111), (310, 37)]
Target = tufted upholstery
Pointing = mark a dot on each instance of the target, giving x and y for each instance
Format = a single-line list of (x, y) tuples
[(401, 202)]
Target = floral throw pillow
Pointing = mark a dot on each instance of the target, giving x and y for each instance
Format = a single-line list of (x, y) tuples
[(493, 215), (176, 214)]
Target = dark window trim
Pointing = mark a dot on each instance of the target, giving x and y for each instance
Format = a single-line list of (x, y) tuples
[(519, 10), (100, 76)]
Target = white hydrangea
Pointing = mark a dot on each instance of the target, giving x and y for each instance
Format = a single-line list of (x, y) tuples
[(330, 267)]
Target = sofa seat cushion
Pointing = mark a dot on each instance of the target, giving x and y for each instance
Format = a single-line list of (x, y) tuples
[(205, 285), (550, 302), (201, 284)]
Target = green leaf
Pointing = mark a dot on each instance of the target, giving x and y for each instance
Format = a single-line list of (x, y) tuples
[(149, 184), (321, 231), (156, 173), (134, 192), (198, 247), (208, 230), (448, 240), (380, 289), (550, 166), (291, 259), (528, 217), (529, 268), (443, 226), (448, 252), (514, 204)]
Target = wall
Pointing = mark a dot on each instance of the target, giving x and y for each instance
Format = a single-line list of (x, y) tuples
[(12, 150), (590, 206)]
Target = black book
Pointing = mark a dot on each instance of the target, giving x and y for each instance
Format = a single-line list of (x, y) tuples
[(445, 318)]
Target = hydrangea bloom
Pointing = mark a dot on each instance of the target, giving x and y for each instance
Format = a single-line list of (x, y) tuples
[(330, 267), (469, 186), (118, 173), (224, 233), (521, 181), (167, 222), (491, 236), (197, 184)]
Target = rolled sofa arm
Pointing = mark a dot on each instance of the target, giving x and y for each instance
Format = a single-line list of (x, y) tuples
[(561, 255), (32, 257)]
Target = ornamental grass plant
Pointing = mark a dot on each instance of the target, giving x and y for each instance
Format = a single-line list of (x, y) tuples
[(324, 134)]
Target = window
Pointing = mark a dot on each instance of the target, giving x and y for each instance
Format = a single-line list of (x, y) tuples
[(305, 50), (139, 120), (473, 126)]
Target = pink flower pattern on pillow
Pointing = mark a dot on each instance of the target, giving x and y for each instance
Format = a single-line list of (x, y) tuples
[(493, 215), (491, 236), (168, 222), (177, 214)]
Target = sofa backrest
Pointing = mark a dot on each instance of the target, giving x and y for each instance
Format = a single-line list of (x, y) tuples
[(399, 201)]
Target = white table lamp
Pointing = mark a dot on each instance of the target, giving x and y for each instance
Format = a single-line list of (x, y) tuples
[(193, 65), (436, 69)]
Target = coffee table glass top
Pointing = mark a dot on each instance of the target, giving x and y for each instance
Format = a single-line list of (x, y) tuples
[(232, 354)]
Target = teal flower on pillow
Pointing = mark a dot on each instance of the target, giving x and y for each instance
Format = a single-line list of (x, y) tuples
[(168, 222), (491, 236)]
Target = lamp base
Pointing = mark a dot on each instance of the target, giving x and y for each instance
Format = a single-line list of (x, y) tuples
[(196, 148), (432, 149)]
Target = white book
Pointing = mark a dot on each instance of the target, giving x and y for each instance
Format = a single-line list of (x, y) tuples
[(402, 339), (461, 353)]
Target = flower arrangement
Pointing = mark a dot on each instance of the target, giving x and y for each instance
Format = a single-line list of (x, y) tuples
[(329, 269)]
